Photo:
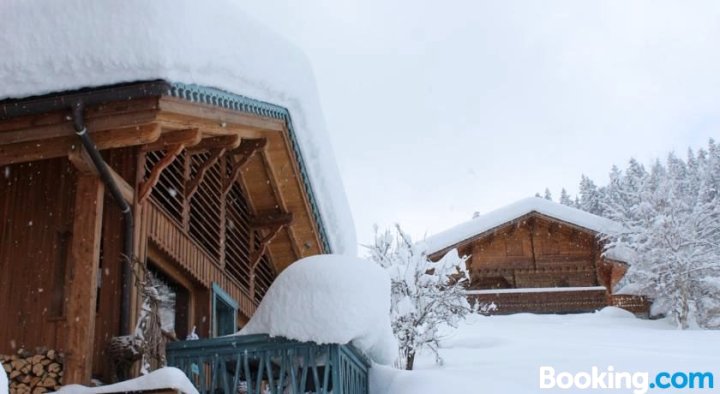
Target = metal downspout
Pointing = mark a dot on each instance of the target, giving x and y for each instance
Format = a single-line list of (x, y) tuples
[(107, 179)]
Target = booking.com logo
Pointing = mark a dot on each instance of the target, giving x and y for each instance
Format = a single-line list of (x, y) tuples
[(639, 382)]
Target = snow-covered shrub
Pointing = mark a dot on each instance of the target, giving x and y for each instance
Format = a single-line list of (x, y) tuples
[(425, 294)]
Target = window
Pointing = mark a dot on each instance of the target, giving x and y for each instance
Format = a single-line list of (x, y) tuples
[(224, 313), (174, 304)]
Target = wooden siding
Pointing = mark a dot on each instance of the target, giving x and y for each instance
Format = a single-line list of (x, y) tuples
[(545, 302), (36, 203), (166, 234), (533, 252)]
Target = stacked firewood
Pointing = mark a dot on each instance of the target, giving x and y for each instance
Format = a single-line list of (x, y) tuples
[(33, 372)]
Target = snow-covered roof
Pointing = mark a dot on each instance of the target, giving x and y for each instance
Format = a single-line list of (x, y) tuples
[(55, 46), (498, 217), (330, 299)]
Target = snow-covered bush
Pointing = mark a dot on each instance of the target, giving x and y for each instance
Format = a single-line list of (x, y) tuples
[(425, 294), (671, 220), (329, 299)]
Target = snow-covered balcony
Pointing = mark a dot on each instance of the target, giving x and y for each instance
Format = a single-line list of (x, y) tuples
[(321, 324)]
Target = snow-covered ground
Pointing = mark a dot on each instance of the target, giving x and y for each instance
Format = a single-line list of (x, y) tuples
[(503, 354)]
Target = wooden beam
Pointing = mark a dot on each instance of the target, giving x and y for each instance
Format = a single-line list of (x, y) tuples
[(82, 288), (192, 184), (257, 254), (248, 146), (271, 219), (59, 146), (220, 120), (227, 142), (82, 162), (147, 186), (187, 137), (246, 150)]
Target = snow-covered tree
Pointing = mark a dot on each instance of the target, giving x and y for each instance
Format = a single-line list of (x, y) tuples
[(425, 294), (565, 198), (671, 221), (548, 195), (590, 198)]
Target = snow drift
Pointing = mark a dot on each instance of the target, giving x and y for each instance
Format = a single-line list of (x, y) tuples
[(54, 46), (330, 299), (3, 380)]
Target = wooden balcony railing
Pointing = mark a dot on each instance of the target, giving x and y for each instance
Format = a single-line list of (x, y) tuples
[(258, 364)]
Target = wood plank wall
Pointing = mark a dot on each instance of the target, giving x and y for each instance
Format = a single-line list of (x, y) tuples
[(36, 207), (534, 252), (166, 234)]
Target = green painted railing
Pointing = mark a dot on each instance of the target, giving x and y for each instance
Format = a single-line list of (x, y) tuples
[(258, 364)]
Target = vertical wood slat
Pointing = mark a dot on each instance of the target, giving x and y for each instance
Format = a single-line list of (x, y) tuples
[(170, 238), (84, 263)]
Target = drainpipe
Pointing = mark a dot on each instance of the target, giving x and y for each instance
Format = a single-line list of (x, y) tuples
[(112, 187)]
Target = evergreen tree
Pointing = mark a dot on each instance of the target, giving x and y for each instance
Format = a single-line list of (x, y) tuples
[(565, 198), (590, 198), (671, 222), (548, 195)]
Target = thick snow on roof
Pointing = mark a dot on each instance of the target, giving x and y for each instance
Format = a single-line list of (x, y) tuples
[(513, 211), (163, 378), (330, 299), (54, 46)]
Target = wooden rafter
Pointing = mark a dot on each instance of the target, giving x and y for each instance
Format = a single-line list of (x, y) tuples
[(192, 184), (147, 186), (270, 220), (187, 137), (246, 150), (274, 223), (227, 142), (22, 152)]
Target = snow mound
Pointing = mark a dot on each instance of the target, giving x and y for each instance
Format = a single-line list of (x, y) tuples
[(163, 378), (615, 312), (498, 217), (54, 46), (330, 299), (3, 381)]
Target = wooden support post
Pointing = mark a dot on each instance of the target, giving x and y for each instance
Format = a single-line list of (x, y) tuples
[(82, 287)]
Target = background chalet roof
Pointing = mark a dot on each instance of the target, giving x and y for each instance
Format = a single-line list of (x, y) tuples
[(498, 217), (56, 46)]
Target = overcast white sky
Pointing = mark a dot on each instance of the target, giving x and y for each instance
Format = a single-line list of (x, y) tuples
[(437, 109)]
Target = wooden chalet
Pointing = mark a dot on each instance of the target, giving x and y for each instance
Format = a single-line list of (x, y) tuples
[(209, 188), (538, 256)]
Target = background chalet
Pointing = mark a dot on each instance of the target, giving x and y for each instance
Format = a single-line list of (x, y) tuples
[(537, 256)]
